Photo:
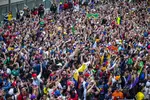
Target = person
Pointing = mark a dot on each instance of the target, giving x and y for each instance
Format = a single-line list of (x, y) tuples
[(41, 11), (53, 8), (18, 15), (37, 78), (23, 94), (10, 16)]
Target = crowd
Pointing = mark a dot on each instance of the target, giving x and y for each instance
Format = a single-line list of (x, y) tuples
[(77, 51)]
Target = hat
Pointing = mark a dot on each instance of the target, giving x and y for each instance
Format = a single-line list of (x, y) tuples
[(33, 96), (34, 75), (11, 91), (117, 78), (97, 40), (103, 68), (59, 64), (5, 75), (148, 47), (57, 93), (145, 34), (51, 74), (148, 84), (96, 67), (87, 75), (8, 71), (69, 83)]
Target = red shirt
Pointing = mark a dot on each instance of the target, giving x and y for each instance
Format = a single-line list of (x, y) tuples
[(22, 97), (76, 97), (1, 98)]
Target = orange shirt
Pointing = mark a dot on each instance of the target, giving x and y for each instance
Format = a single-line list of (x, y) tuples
[(117, 94)]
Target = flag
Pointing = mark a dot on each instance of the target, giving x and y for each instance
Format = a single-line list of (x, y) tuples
[(76, 74), (141, 65), (113, 48), (102, 59), (82, 68), (118, 20), (96, 15), (73, 29)]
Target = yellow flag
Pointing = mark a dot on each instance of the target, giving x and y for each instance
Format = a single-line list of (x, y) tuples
[(82, 68), (108, 57), (76, 75), (102, 59)]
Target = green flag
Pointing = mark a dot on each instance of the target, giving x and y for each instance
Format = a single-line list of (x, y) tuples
[(96, 15), (141, 65), (89, 15), (73, 29), (118, 20)]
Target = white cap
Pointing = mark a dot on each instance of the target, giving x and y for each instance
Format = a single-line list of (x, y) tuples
[(59, 64), (11, 91), (147, 83)]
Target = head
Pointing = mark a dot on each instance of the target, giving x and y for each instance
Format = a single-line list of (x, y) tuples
[(34, 75), (23, 90), (64, 73)]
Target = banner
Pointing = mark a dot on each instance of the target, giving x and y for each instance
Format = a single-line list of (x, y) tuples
[(96, 15)]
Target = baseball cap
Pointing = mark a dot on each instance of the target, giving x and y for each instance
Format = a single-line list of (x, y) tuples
[(34, 75)]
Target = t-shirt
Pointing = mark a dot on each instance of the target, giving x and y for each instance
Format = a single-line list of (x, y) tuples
[(22, 97), (15, 72), (75, 98), (10, 17), (117, 94)]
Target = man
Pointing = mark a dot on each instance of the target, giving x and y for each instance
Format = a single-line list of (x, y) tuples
[(41, 11), (53, 8), (37, 78), (82, 89), (23, 94)]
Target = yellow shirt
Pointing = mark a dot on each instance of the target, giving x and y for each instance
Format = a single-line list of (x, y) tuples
[(10, 17), (45, 90), (140, 96)]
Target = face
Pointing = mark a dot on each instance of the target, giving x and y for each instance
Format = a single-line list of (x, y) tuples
[(44, 97), (23, 90)]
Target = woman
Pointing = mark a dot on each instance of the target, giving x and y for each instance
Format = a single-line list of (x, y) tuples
[(23, 94)]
